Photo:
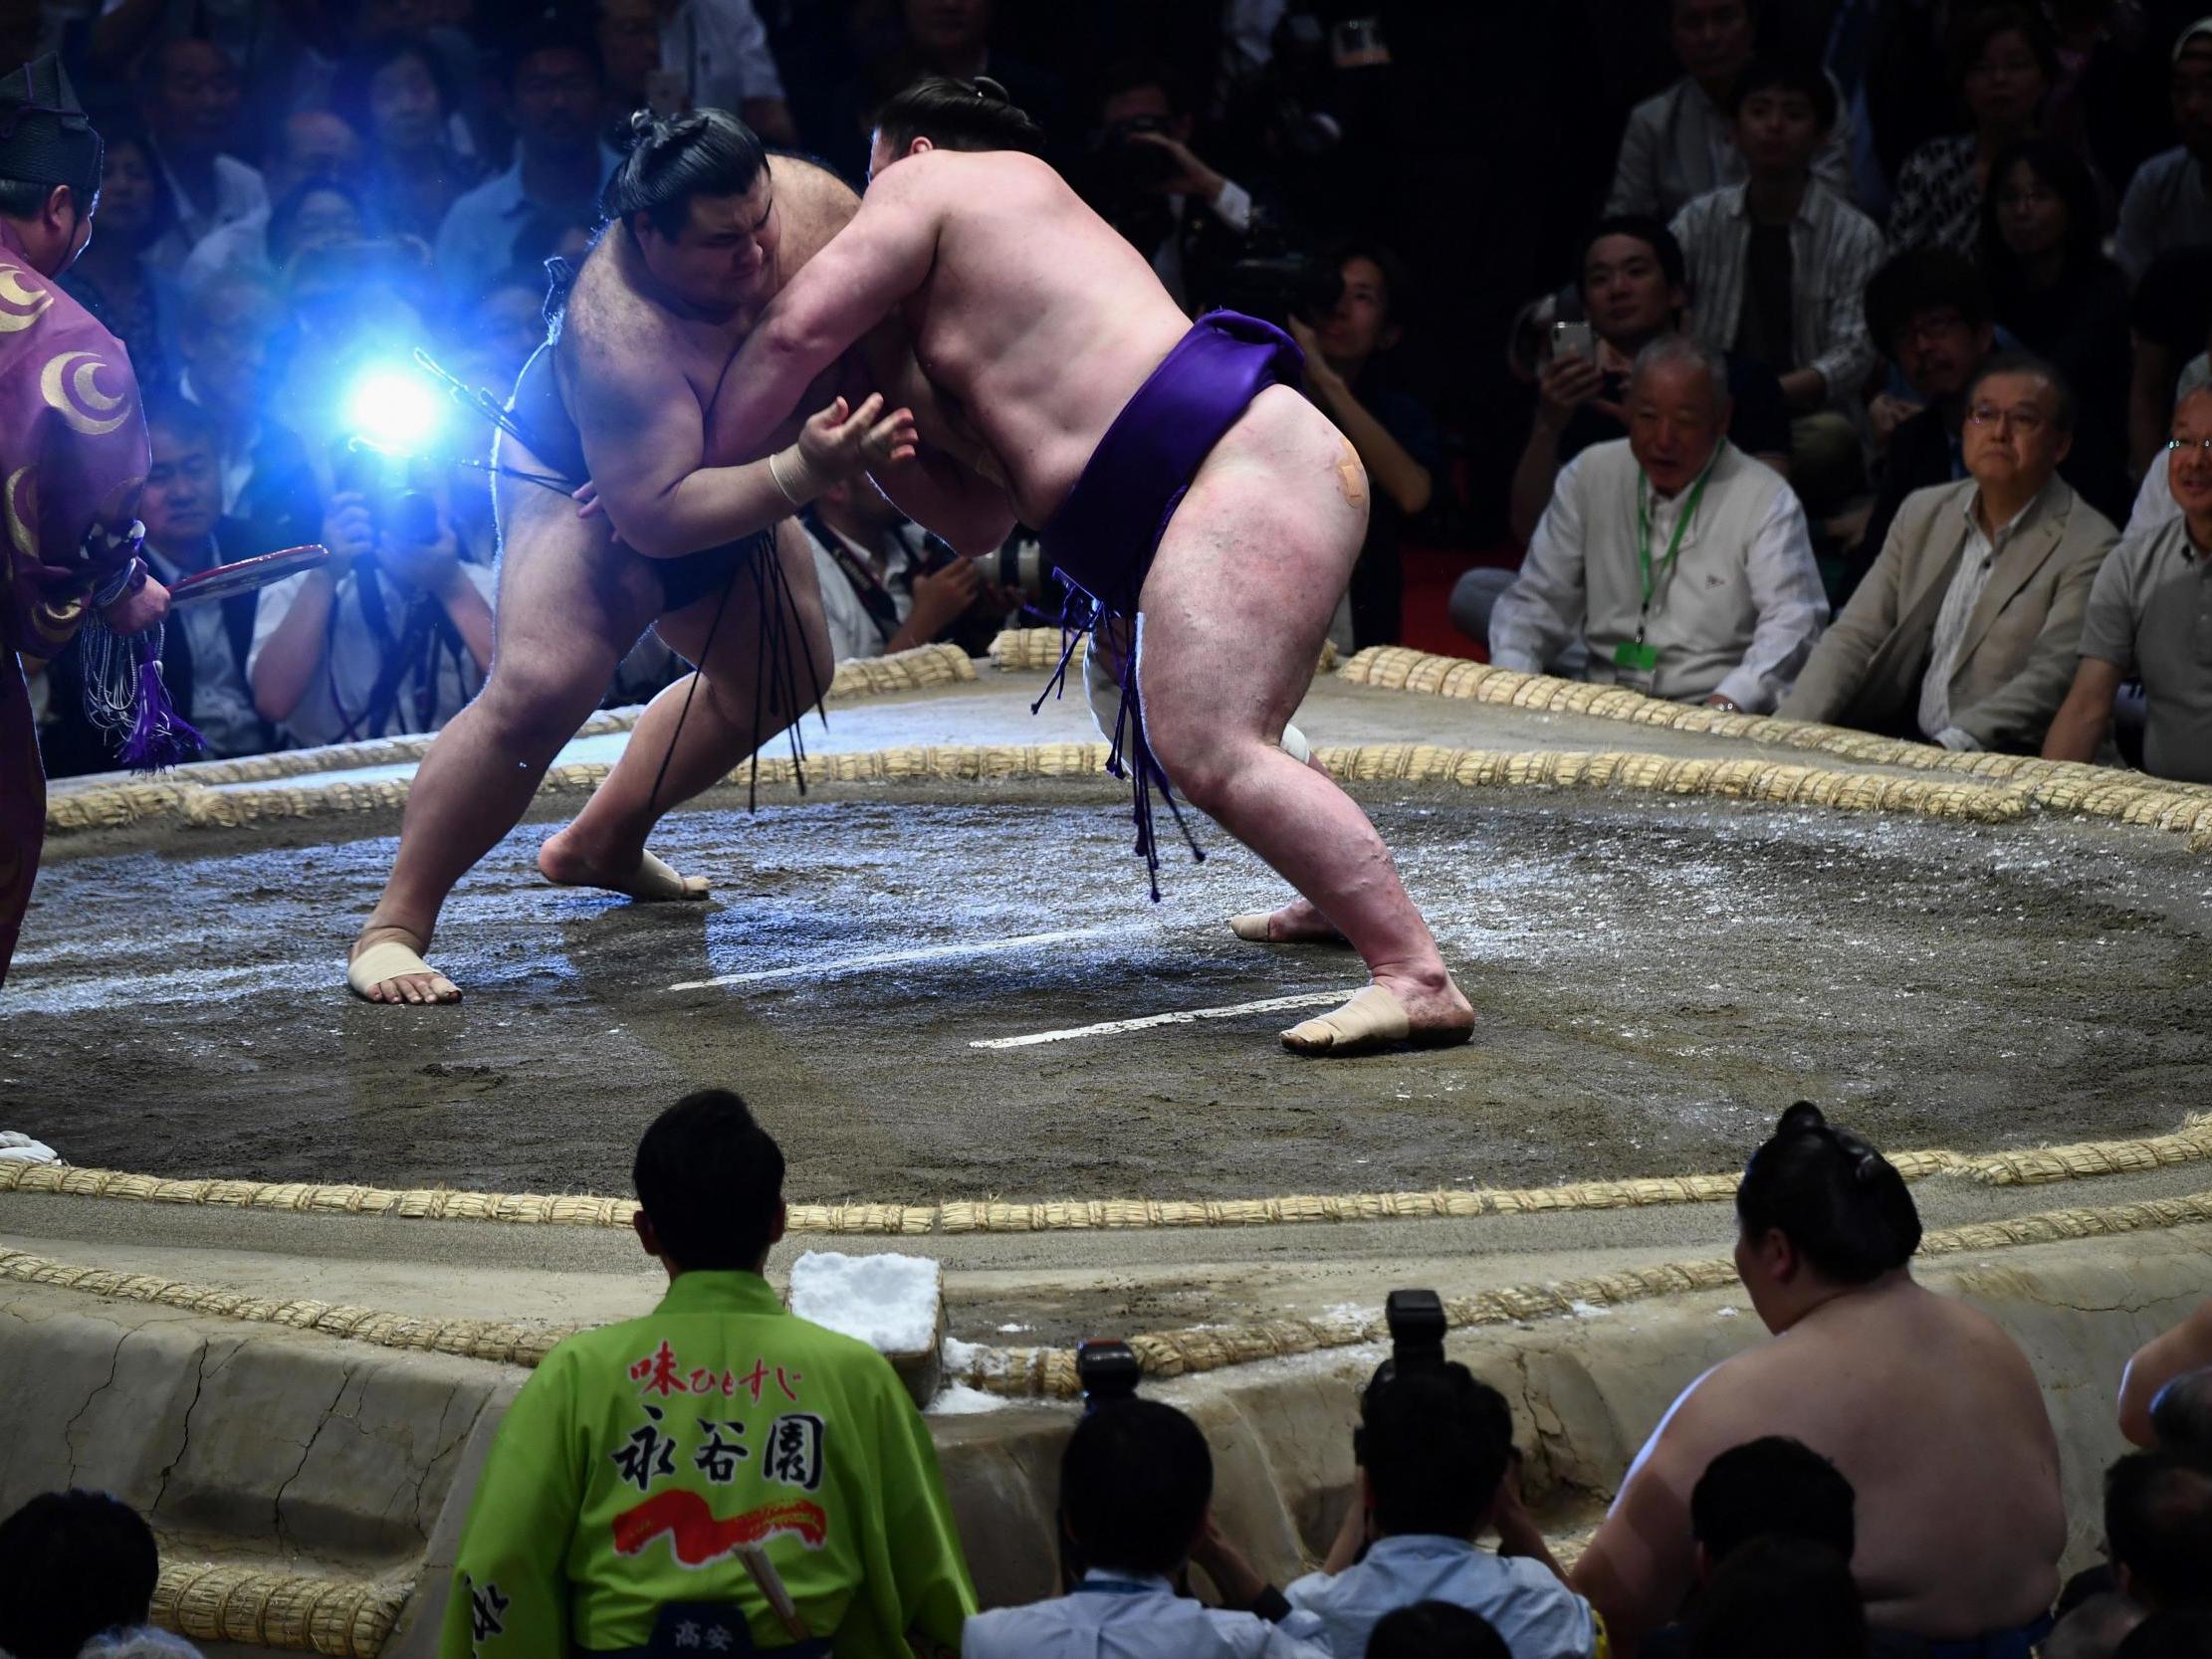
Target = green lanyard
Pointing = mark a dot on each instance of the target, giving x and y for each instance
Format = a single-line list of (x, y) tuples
[(1636, 655)]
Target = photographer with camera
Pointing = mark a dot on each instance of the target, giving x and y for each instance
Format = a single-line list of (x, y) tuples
[(395, 634), (1136, 1486), (888, 585), (1142, 178), (1436, 1469), (1392, 429)]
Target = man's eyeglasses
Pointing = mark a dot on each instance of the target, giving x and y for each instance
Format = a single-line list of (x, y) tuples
[(2025, 422), (2204, 443)]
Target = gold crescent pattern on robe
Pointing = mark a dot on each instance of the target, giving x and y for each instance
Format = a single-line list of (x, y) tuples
[(54, 623), (85, 420), (21, 305), (20, 532), (88, 392)]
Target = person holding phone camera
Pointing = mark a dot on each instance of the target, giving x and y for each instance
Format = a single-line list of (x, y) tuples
[(1633, 286)]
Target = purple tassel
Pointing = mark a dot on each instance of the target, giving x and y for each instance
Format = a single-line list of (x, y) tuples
[(159, 736), (124, 693)]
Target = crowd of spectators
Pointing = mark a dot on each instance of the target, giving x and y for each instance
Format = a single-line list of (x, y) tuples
[(1949, 240), (297, 198), (1878, 1479), (1851, 206)]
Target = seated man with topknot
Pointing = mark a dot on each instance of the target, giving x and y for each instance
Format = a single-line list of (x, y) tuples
[(1923, 1405)]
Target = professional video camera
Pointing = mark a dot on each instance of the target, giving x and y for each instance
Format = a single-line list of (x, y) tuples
[(1276, 282), (1416, 1324), (1109, 1372), (1021, 569)]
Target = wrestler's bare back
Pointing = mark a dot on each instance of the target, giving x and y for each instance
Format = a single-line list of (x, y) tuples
[(1934, 1416), (1036, 322)]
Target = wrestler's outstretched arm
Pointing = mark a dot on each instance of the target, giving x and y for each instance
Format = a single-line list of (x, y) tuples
[(645, 443), (844, 291)]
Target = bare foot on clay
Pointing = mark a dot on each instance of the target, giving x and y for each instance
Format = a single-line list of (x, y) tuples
[(386, 965), (1388, 1014), (563, 863), (1297, 923)]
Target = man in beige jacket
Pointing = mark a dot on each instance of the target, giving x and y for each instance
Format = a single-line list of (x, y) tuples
[(1965, 630)]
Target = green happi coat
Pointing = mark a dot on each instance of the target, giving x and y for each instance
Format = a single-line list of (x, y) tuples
[(640, 1456)]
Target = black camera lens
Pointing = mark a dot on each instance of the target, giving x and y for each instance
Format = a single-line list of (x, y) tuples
[(1109, 1372), (1416, 1324)]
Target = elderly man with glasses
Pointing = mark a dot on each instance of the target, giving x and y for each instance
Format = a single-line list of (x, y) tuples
[(2151, 618), (1680, 562), (1965, 630)]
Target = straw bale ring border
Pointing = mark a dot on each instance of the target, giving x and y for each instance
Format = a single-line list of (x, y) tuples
[(1051, 1372), (2191, 1143), (2057, 785), (290, 1612)]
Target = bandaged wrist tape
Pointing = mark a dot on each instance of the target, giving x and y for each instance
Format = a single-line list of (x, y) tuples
[(797, 479)]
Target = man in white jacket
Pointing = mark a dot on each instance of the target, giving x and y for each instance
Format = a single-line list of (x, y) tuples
[(1682, 562)]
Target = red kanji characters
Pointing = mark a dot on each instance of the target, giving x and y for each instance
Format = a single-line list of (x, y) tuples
[(658, 1374)]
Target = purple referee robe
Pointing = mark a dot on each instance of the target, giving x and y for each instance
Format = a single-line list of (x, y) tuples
[(72, 455)]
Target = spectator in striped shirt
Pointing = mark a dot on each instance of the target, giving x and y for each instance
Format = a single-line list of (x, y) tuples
[(1779, 266)]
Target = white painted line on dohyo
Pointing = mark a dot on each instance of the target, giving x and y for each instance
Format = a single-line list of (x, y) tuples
[(1186, 1016), (894, 959)]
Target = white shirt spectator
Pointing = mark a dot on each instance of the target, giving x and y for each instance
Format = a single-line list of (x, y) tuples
[(1681, 145), (334, 706), (240, 193), (1735, 615), (721, 49), (1834, 252), (853, 630), (2167, 206), (1113, 1616), (1538, 1616)]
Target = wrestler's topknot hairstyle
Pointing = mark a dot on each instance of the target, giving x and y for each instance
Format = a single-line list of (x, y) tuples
[(710, 1178), (1841, 1205), (708, 153), (959, 114)]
